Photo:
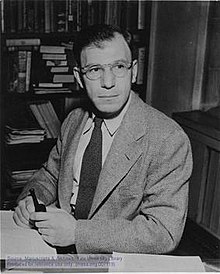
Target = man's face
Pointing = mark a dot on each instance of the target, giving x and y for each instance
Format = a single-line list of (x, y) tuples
[(109, 93)]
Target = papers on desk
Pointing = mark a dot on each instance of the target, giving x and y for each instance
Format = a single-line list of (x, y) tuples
[(156, 263), (21, 241)]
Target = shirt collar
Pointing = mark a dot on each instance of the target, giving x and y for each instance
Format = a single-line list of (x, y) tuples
[(111, 124)]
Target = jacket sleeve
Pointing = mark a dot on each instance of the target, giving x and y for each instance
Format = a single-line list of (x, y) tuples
[(159, 221), (45, 179)]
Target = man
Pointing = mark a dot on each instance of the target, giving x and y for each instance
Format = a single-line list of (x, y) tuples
[(140, 201)]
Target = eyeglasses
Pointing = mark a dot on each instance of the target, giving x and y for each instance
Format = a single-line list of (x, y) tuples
[(119, 69)]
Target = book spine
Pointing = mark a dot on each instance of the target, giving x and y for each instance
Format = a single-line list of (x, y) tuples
[(23, 42), (40, 118), (52, 17), (48, 119), (13, 16), (47, 56), (66, 16), (63, 78), (141, 14), (28, 71), (24, 14), (30, 16), (141, 65), (2, 3), (36, 16), (72, 15), (52, 49), (55, 122), (12, 76), (22, 58), (20, 16), (47, 15), (61, 16), (41, 16), (59, 69)]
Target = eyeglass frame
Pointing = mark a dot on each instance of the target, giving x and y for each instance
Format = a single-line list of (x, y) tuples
[(128, 66)]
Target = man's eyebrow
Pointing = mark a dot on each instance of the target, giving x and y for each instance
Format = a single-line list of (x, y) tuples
[(95, 64)]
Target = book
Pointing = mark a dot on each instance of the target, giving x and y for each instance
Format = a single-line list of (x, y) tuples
[(59, 69), (141, 65), (72, 15), (21, 241), (47, 117), (47, 26), (141, 14), (20, 16), (13, 15), (53, 63), (63, 78), (52, 49), (50, 117), (23, 42), (51, 90), (2, 7), (48, 56), (12, 76), (28, 71), (53, 118), (61, 16), (30, 24), (22, 59), (40, 118), (23, 135), (50, 85)]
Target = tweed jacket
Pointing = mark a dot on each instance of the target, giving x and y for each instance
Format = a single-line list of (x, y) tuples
[(140, 204)]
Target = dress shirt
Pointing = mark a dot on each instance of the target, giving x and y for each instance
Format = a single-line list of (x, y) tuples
[(109, 128)]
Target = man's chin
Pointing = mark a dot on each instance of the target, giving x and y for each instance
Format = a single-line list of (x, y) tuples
[(108, 112)]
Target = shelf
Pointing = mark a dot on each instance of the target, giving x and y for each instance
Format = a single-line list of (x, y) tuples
[(33, 96), (45, 37)]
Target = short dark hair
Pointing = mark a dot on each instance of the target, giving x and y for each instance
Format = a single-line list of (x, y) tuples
[(96, 34)]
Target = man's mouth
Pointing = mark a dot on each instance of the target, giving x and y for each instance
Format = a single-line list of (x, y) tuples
[(108, 96)]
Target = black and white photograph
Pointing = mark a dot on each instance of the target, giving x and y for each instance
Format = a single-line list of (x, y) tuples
[(110, 136)]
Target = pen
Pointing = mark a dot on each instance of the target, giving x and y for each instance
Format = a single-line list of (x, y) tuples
[(38, 207)]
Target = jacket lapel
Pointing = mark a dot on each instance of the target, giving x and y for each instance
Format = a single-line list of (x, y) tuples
[(71, 144), (125, 150)]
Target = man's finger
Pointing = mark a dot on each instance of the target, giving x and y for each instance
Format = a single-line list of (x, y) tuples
[(19, 222), (43, 224)]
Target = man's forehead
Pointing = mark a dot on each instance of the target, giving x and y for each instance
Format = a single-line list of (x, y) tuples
[(116, 47)]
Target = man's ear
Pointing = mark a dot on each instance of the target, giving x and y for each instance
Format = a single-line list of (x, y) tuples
[(77, 76), (134, 71)]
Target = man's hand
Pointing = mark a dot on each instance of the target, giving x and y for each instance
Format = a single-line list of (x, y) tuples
[(56, 226), (22, 212)]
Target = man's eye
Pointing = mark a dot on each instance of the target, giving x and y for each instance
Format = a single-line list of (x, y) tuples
[(95, 69), (120, 66)]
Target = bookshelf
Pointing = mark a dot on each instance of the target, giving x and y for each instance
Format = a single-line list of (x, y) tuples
[(33, 31)]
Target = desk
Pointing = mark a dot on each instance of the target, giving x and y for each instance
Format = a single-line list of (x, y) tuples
[(18, 256)]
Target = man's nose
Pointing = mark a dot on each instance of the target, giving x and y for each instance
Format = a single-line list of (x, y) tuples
[(107, 79)]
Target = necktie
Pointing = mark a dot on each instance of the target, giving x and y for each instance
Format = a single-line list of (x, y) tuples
[(90, 170)]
